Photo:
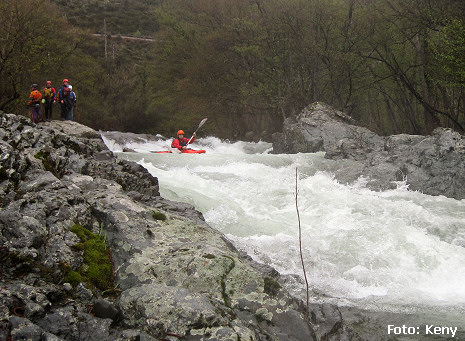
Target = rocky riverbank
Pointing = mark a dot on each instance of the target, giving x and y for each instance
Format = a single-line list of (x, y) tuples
[(90, 251), (430, 164)]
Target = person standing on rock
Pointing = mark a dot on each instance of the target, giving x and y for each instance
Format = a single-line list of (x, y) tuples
[(34, 102), (64, 98), (48, 98), (73, 103), (181, 142)]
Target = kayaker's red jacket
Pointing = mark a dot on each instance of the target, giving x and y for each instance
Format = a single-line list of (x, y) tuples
[(177, 143)]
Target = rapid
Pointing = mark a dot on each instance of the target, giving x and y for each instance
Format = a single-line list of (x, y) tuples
[(395, 250)]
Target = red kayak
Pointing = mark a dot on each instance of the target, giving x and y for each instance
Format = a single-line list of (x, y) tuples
[(185, 151), (193, 151)]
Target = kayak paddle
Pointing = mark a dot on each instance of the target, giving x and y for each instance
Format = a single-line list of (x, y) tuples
[(201, 124)]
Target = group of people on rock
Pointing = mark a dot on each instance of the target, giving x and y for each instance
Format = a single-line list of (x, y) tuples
[(64, 95)]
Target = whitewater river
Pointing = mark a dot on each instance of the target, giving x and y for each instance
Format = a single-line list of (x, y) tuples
[(397, 250)]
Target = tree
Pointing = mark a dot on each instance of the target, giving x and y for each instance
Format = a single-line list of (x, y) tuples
[(33, 40), (394, 66), (400, 47), (447, 67)]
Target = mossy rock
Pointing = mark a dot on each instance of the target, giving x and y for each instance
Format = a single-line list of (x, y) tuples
[(42, 154), (271, 287), (46, 162), (158, 216), (97, 269)]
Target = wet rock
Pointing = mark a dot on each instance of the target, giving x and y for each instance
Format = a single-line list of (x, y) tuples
[(430, 164)]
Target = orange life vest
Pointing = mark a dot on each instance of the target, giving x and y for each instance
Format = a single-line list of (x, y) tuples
[(34, 97)]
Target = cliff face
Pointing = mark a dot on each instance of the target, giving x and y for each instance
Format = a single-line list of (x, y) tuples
[(430, 164), (171, 275)]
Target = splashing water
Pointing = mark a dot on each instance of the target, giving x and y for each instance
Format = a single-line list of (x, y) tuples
[(393, 249)]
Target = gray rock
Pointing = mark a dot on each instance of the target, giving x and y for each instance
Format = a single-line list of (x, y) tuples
[(71, 324), (430, 164), (24, 329), (173, 278), (104, 309)]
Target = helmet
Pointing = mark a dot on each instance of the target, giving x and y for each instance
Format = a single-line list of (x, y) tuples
[(65, 80), (180, 132), (48, 82), (70, 87), (34, 86)]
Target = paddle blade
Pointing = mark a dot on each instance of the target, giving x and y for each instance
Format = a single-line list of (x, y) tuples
[(202, 122)]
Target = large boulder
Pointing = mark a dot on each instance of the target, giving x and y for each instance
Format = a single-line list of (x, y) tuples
[(429, 164)]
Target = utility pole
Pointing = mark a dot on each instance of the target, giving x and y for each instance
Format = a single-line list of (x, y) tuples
[(105, 34)]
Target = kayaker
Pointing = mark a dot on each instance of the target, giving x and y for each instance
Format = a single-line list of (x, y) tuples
[(181, 142)]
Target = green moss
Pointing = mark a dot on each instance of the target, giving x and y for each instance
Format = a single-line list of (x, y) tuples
[(158, 216), (82, 233), (41, 154), (73, 277), (209, 256), (224, 294), (271, 287), (97, 269), (45, 157)]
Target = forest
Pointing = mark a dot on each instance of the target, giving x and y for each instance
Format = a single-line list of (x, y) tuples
[(155, 66)]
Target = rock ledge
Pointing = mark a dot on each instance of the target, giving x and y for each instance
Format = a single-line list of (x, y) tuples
[(177, 278)]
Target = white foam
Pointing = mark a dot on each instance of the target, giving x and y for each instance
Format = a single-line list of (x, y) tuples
[(397, 246)]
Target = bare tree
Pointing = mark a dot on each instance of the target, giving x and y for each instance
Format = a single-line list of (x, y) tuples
[(300, 244)]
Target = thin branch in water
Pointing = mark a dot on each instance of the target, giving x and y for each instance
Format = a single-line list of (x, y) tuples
[(300, 243)]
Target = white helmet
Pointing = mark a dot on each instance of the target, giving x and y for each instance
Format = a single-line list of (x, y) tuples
[(70, 87)]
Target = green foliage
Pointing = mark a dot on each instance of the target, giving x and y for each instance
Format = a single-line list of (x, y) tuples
[(394, 66), (251, 64), (97, 268), (33, 39), (448, 48), (128, 17)]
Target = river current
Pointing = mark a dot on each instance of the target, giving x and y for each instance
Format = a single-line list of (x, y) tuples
[(395, 250)]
